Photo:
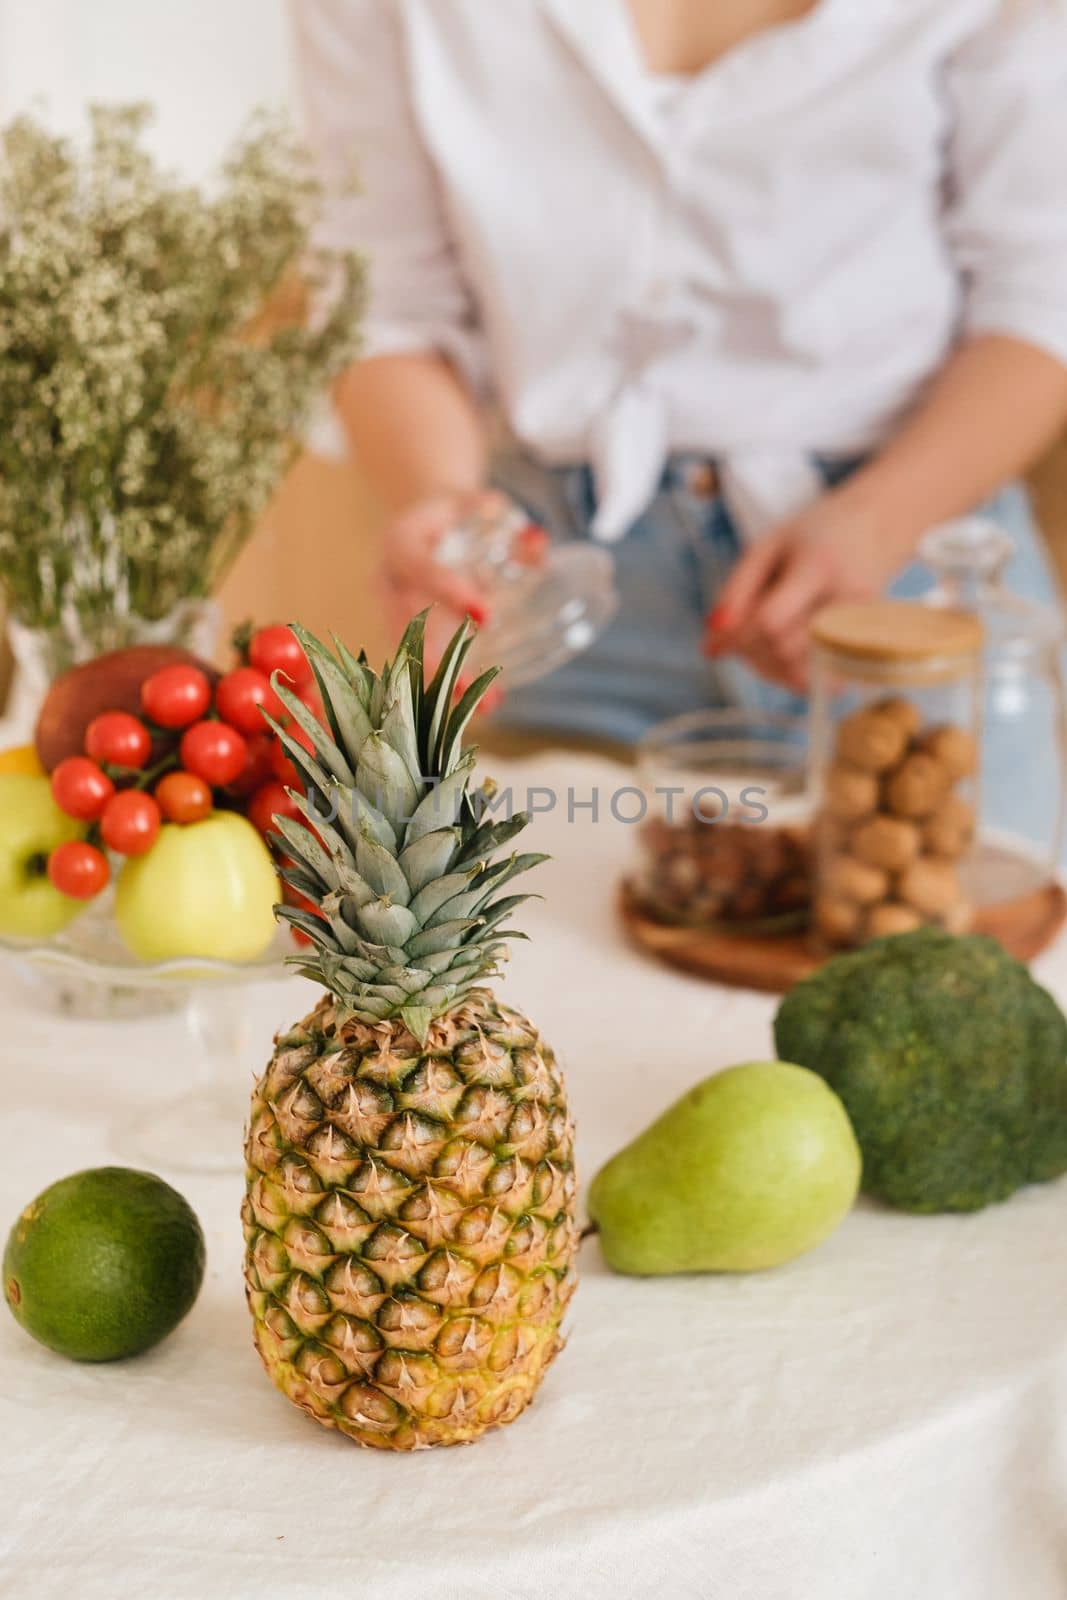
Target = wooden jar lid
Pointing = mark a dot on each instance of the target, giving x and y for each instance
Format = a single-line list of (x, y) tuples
[(897, 632)]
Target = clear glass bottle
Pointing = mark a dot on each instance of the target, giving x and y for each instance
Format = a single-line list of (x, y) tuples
[(1022, 804), (894, 754)]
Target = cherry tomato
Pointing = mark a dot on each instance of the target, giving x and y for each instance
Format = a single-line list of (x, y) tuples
[(130, 822), (293, 897), (239, 696), (183, 797), (119, 739), (271, 799), (214, 752), (81, 788), (78, 870), (309, 695), (257, 767), (278, 650), (175, 696), (283, 767)]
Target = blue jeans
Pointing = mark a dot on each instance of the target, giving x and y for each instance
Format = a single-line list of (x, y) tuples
[(670, 567)]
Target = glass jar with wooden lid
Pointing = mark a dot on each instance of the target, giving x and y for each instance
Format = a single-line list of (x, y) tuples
[(894, 754)]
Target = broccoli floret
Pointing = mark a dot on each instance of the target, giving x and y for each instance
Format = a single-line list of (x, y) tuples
[(951, 1062)]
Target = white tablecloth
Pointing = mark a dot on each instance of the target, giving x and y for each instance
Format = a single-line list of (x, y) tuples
[(884, 1418)]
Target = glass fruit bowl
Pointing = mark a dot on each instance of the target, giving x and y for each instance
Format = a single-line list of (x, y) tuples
[(86, 973)]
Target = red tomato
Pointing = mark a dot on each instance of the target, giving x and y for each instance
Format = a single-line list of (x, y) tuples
[(213, 752), (278, 650), (80, 788), (130, 823), (183, 797), (257, 767), (175, 696), (119, 739), (239, 696), (293, 897), (310, 696), (78, 870), (270, 800), (283, 767)]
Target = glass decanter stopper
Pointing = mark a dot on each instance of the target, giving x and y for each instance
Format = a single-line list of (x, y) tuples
[(1023, 777)]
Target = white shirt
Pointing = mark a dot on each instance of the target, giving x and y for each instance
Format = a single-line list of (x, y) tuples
[(772, 270)]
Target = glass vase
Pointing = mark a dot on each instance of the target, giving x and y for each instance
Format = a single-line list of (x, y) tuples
[(42, 654)]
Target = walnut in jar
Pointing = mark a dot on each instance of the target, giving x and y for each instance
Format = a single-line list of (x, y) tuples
[(917, 787), (954, 748), (905, 712), (872, 740), (838, 921), (931, 886), (850, 793), (949, 831), (892, 918), (849, 879), (887, 842)]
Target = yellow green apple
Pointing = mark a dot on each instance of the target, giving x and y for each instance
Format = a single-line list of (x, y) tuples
[(204, 889), (31, 825), (21, 758)]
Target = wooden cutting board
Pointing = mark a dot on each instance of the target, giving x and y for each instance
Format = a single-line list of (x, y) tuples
[(1025, 927)]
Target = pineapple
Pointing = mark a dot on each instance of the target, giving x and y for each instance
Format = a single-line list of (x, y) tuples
[(409, 1215)]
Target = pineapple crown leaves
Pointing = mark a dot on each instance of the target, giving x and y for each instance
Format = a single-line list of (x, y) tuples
[(394, 846)]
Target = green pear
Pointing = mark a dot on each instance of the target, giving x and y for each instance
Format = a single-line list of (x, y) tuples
[(751, 1168)]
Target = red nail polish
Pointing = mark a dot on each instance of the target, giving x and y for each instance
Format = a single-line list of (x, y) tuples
[(721, 618), (530, 544), (478, 614)]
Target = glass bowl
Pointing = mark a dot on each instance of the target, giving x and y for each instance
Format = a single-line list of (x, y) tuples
[(726, 844), (86, 973)]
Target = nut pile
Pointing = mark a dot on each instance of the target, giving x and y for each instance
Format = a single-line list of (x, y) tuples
[(893, 826), (699, 873)]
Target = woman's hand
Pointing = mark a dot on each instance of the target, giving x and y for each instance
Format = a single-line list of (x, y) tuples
[(835, 550), (993, 408), (416, 579), (413, 575)]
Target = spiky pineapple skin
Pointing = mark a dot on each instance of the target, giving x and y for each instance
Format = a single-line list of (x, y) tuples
[(409, 1221)]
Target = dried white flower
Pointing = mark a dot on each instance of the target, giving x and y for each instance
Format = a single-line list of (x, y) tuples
[(149, 403)]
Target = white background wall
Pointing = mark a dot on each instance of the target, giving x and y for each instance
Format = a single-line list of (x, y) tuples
[(203, 63)]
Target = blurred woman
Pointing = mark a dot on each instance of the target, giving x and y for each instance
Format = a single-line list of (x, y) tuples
[(759, 291)]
